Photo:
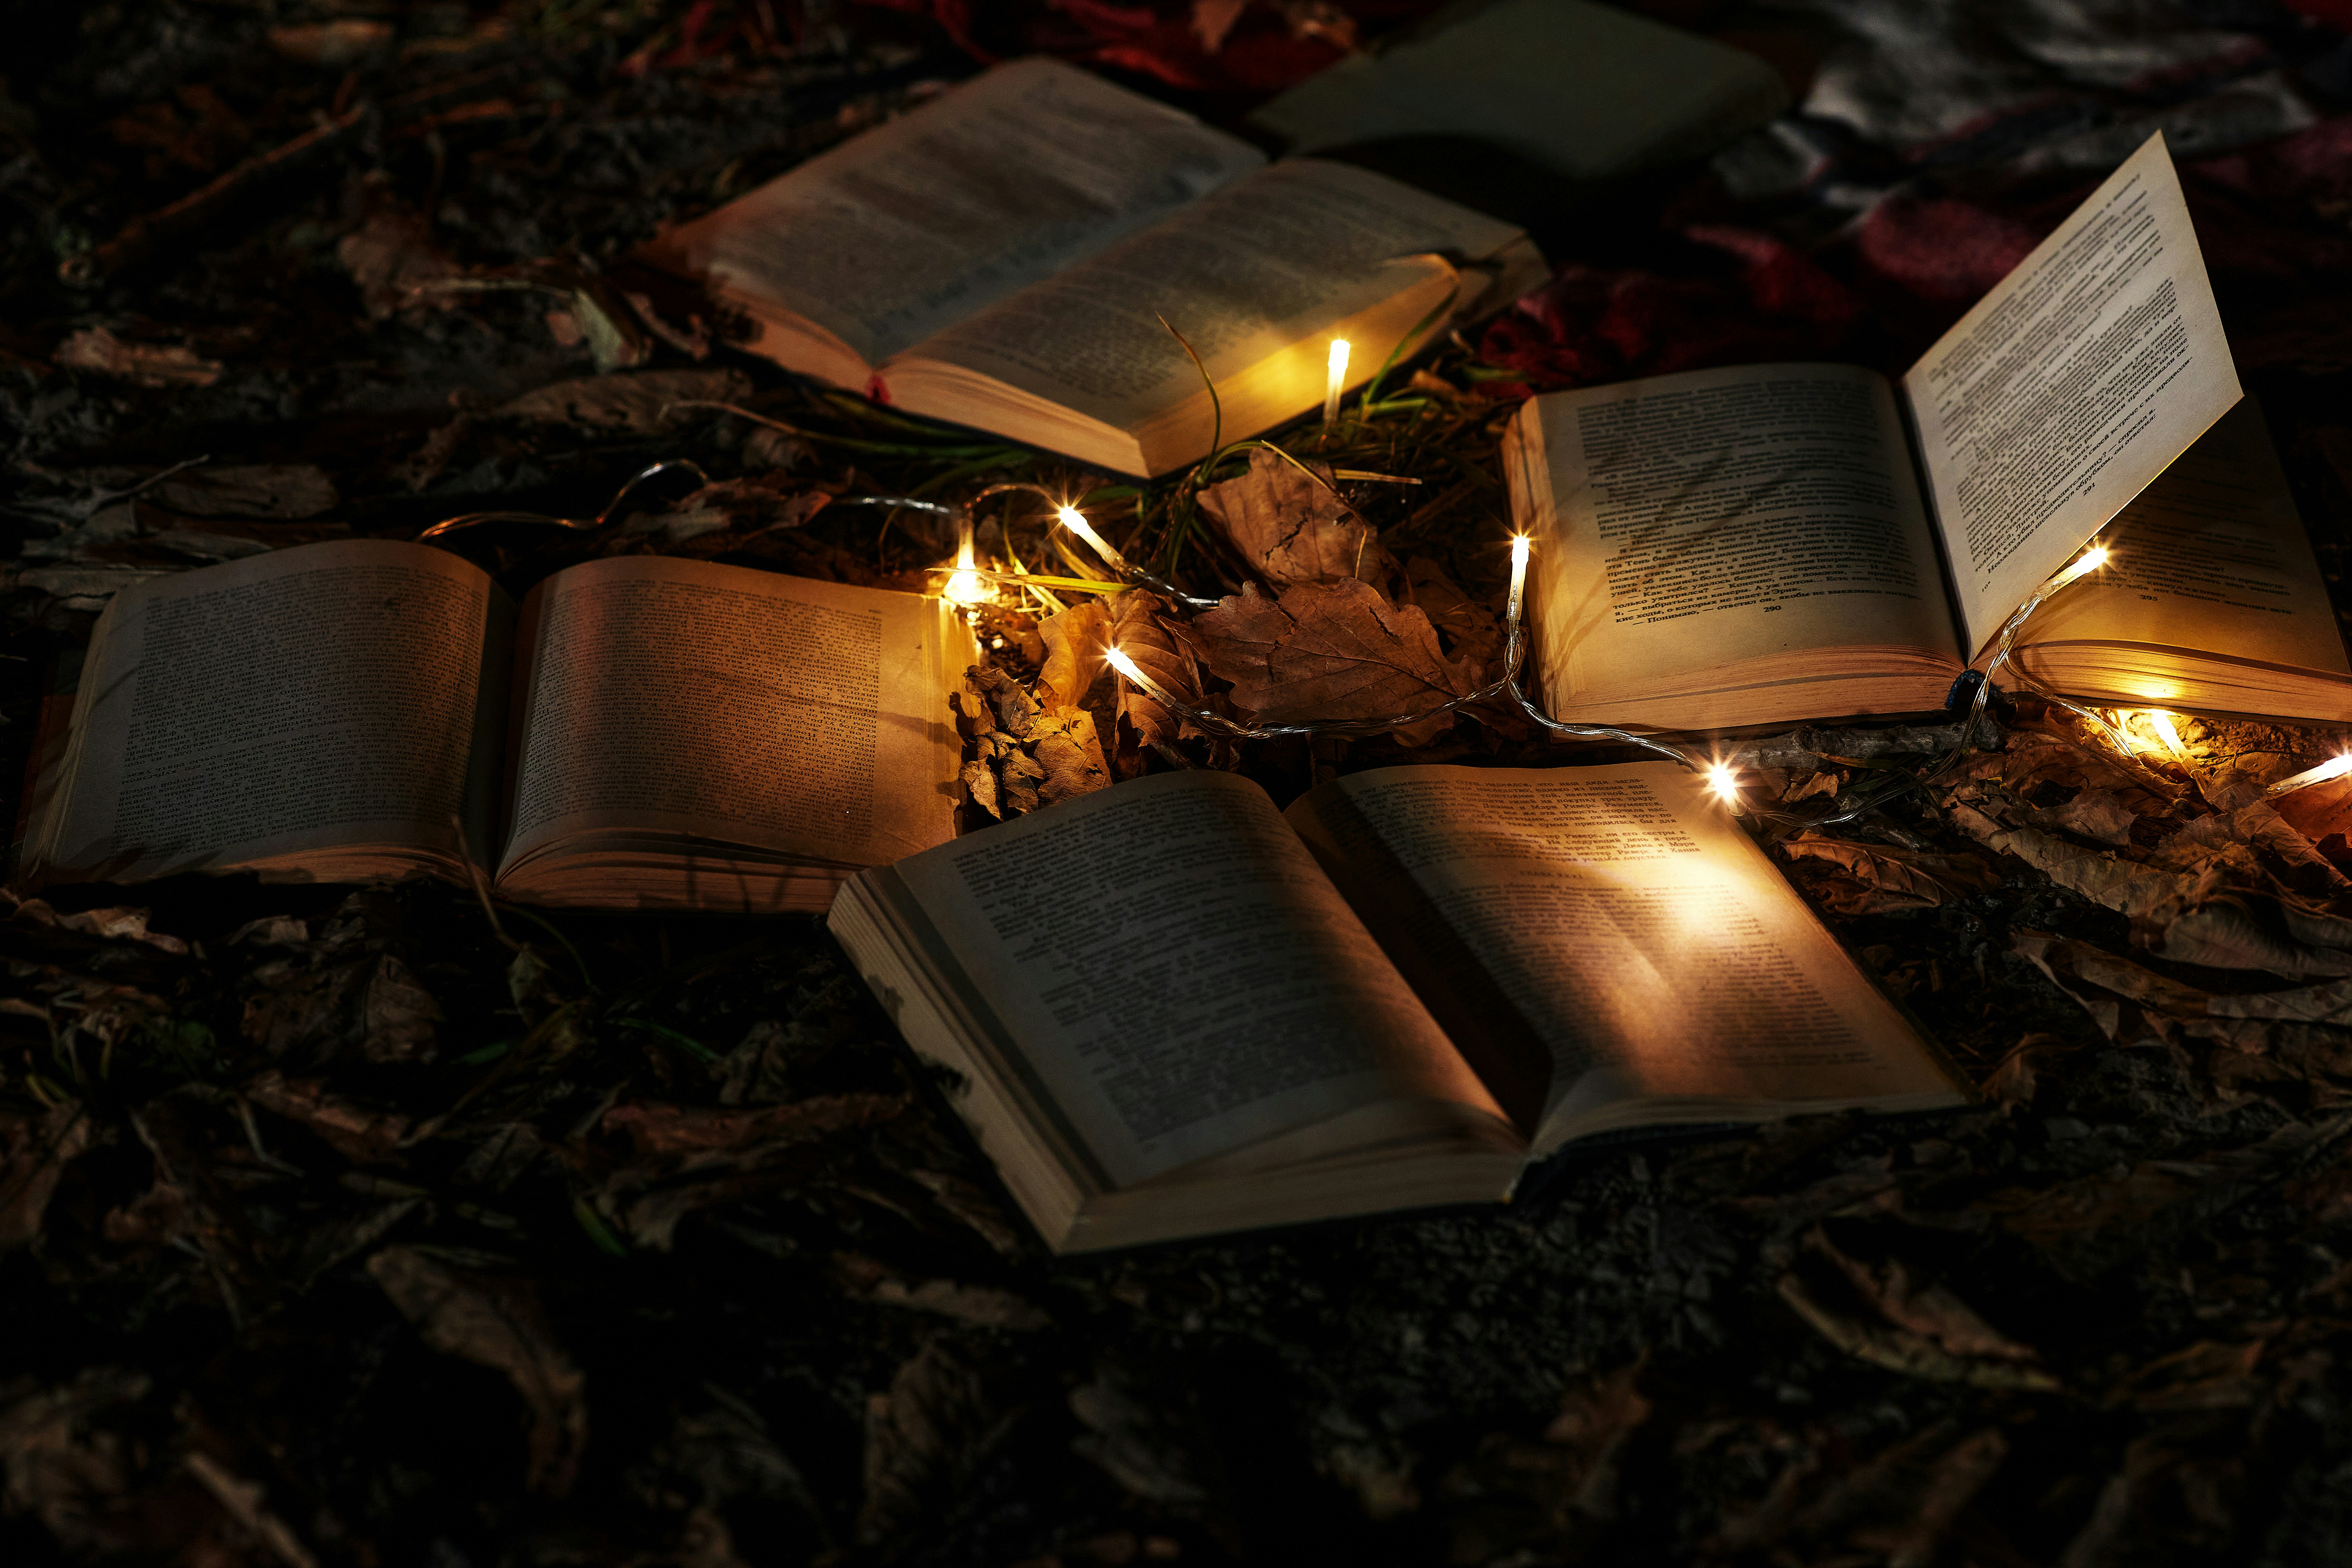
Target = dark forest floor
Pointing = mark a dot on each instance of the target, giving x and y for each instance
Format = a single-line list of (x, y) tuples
[(359, 1227)]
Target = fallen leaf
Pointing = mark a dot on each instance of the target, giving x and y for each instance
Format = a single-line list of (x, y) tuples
[(2094, 814), (925, 1441), (1892, 879), (1075, 639), (100, 351), (496, 1323), (1900, 1350), (1290, 526), (696, 1130), (1143, 636), (1213, 20), (1926, 1310), (639, 401), (334, 45), (738, 506), (1071, 757), (2207, 1376), (38, 1149), (1131, 1445), (242, 1500), (392, 257), (872, 1280), (247, 490), (1471, 629), (1331, 650), (362, 1136), (62, 1468)]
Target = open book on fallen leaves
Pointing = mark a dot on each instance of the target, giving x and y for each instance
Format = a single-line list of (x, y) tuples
[(1013, 255), (643, 732), (1170, 1008), (1768, 542)]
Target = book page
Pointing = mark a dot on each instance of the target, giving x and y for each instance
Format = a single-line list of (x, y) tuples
[(348, 693), (2213, 557), (1689, 521), (1180, 975), (659, 695), (1246, 275), (1623, 923), (919, 222), (2069, 387)]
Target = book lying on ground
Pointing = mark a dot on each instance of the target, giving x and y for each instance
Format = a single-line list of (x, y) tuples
[(1756, 546), (643, 732), (1005, 255), (1172, 1009), (1581, 89)]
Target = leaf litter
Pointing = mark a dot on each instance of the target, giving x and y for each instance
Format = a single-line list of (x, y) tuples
[(344, 1228)]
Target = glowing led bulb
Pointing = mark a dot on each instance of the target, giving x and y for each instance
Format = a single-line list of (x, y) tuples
[(1124, 664), (1723, 781), (1519, 575), (2090, 561), (966, 586), (1073, 519), (2334, 768), (1337, 382)]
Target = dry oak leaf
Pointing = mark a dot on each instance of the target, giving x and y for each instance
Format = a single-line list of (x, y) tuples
[(1331, 650), (95, 350), (497, 1324), (639, 401), (1143, 636), (1075, 641), (362, 1136), (1291, 526), (37, 1151)]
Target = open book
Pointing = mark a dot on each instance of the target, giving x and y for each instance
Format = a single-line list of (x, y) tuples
[(1776, 542), (1172, 1009), (644, 732), (1005, 258)]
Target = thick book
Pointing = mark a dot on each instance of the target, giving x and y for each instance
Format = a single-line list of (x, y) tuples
[(1170, 1009), (1581, 91), (640, 732), (1775, 543), (1011, 257)]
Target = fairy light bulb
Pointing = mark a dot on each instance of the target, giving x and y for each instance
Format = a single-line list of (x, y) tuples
[(1336, 382), (1724, 783), (966, 586), (1519, 544), (1073, 519), (2161, 722), (2090, 561), (1124, 664), (2335, 767)]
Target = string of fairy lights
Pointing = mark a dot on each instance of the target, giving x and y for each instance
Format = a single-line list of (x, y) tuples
[(968, 584)]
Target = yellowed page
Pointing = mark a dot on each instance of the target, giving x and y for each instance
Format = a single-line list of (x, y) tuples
[(1636, 937), (918, 223), (1259, 272), (1690, 522), (2211, 558), (1179, 977), (664, 695), (2069, 387), (310, 699)]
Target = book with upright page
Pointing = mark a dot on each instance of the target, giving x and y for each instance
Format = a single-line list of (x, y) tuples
[(1170, 1009), (1012, 256), (1773, 542), (642, 732)]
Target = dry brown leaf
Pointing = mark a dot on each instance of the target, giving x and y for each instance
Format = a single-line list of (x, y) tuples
[(1289, 527), (1331, 650), (2246, 931), (1213, 20), (924, 1442), (38, 1151), (391, 255), (63, 1467), (1075, 641), (496, 1323), (2094, 814), (247, 490), (697, 1130), (1892, 879), (1928, 1310), (362, 1136), (1142, 635), (100, 353), (1471, 629), (741, 507), (1016, 711), (1900, 1350), (1071, 755), (980, 787), (638, 401)]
